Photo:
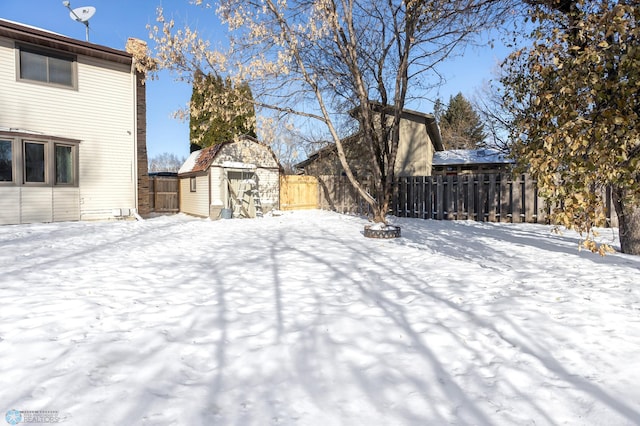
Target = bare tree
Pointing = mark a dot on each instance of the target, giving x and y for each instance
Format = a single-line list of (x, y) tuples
[(165, 162), (328, 59), (496, 118)]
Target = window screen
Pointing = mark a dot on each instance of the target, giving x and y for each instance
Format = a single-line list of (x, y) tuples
[(64, 164), (6, 161)]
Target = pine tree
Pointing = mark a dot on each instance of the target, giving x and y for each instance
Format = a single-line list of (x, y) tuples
[(460, 124)]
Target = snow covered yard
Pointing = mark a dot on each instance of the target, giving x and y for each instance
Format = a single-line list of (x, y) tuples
[(299, 320)]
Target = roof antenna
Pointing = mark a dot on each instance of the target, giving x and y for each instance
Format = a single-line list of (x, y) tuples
[(81, 14)]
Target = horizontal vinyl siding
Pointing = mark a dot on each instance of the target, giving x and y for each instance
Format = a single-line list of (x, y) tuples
[(100, 113), (195, 203), (218, 195), (66, 204), (10, 205), (37, 204), (26, 204)]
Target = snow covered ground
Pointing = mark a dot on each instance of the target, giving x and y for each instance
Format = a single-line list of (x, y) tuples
[(300, 320)]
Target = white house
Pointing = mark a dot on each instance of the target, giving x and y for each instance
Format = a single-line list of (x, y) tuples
[(72, 129), (238, 178)]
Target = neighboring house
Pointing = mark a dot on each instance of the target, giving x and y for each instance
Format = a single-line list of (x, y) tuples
[(72, 129), (467, 161), (238, 178), (419, 139)]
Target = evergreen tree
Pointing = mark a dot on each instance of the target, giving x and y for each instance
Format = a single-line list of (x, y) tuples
[(321, 60), (219, 111), (460, 124)]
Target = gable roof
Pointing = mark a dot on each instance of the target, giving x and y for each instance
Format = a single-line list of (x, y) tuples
[(51, 40), (429, 120), (199, 161)]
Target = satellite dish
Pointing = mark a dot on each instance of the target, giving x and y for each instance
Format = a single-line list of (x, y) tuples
[(82, 14)]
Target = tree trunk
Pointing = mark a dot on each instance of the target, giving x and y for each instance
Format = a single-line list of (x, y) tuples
[(628, 221), (381, 208)]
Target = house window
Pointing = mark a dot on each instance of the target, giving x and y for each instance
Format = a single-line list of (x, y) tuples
[(192, 184), (46, 67), (34, 162), (6, 161), (38, 162), (64, 164)]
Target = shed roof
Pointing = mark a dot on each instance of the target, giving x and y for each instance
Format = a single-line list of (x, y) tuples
[(470, 156), (201, 160)]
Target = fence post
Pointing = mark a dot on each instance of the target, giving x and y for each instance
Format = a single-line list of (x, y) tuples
[(516, 199), (505, 198), (417, 198), (492, 201), (450, 204), (439, 198), (471, 199), (429, 197), (529, 196), (460, 197), (480, 197), (155, 192)]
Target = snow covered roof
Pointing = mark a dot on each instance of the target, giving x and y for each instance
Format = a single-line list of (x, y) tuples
[(33, 27), (16, 130), (201, 160), (470, 156), (38, 36)]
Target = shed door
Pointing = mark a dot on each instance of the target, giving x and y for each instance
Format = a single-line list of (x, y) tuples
[(242, 186)]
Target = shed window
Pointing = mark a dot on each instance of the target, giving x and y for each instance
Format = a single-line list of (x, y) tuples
[(46, 67), (192, 184), (34, 162), (6, 161)]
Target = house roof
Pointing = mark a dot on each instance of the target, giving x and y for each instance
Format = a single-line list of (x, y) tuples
[(201, 160), (470, 156), (40, 37), (429, 121)]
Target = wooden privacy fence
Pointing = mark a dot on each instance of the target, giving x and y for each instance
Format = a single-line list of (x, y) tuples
[(482, 197), (163, 194), (337, 194), (298, 192)]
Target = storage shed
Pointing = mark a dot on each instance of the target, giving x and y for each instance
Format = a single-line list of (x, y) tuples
[(238, 178)]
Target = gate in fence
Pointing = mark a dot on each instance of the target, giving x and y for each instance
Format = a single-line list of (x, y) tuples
[(163, 194)]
